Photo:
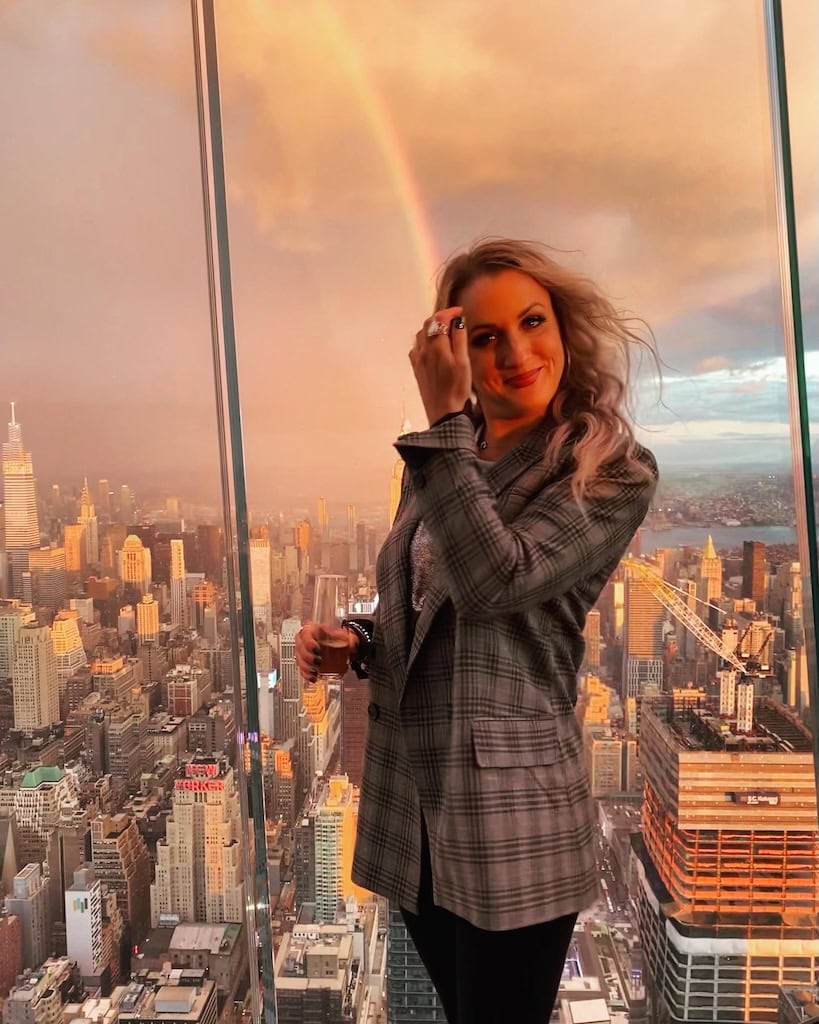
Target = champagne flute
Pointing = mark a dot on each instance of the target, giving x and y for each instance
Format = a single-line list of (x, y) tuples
[(329, 609)]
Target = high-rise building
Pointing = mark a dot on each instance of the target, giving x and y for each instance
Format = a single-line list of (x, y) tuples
[(411, 996), (591, 634), (40, 800), (187, 999), (290, 681), (260, 583), (710, 573), (147, 619), (604, 760), (14, 615), (121, 860), (30, 901), (179, 616), (335, 826), (186, 689), (351, 523), (199, 863), (83, 921), (34, 680), (355, 700), (126, 503), (48, 578), (135, 564), (727, 862), (322, 519), (104, 497), (211, 551), (22, 523), (754, 572), (74, 545), (11, 951), (69, 652), (642, 638), (88, 520)]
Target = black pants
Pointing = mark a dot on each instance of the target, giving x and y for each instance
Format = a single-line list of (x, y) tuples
[(483, 977)]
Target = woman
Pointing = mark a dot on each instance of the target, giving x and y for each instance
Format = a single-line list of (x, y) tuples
[(475, 816)]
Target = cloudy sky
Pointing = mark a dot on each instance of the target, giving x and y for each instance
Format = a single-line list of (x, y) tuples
[(365, 142)]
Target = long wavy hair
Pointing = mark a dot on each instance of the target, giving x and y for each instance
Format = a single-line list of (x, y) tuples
[(592, 408)]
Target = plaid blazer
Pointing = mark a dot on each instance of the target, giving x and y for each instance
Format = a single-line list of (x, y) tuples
[(472, 713)]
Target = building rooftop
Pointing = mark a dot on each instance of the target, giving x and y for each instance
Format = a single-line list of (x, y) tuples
[(775, 730), (41, 775), (213, 938)]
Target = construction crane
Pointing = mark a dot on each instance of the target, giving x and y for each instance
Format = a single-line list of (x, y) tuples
[(669, 597)]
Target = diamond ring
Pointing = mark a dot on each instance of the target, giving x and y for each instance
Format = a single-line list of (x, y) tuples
[(435, 327)]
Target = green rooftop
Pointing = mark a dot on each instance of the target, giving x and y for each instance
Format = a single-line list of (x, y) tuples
[(45, 773)]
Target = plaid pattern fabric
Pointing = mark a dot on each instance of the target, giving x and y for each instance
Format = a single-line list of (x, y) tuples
[(472, 714)]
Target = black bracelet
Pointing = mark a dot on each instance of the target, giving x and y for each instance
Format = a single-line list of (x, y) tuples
[(360, 632)]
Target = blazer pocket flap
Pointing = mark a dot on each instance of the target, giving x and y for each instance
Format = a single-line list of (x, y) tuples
[(514, 742)]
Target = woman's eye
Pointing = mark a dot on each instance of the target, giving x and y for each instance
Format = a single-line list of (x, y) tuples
[(479, 340), (534, 321)]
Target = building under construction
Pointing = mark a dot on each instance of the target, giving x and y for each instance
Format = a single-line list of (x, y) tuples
[(728, 861)]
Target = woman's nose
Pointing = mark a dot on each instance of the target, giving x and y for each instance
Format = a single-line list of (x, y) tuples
[(514, 350)]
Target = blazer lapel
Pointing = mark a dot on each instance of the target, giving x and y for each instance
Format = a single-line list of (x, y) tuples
[(395, 573), (500, 477)]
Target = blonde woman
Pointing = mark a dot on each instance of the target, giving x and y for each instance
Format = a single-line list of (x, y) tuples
[(518, 502)]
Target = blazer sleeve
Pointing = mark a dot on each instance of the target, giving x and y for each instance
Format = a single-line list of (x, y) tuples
[(493, 568)]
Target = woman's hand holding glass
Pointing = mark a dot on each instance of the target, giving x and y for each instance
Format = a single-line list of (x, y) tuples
[(308, 648)]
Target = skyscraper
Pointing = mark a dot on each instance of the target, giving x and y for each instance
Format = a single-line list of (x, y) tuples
[(397, 476), (727, 860), (642, 638), (178, 595), (74, 543), (591, 634), (20, 504), (30, 901), (14, 615), (48, 578), (34, 680), (411, 996), (83, 921), (322, 519), (69, 653), (289, 678), (122, 861), (754, 572), (135, 564), (709, 576), (334, 835), (147, 619), (104, 498), (88, 520), (260, 583), (199, 863)]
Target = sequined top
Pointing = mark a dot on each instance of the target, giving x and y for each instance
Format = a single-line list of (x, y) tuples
[(422, 559)]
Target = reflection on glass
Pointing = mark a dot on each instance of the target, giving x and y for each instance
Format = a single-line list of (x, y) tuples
[(121, 826)]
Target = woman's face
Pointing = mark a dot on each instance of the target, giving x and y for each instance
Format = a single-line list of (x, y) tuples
[(515, 348)]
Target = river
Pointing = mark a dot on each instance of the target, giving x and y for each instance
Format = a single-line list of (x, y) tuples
[(723, 536)]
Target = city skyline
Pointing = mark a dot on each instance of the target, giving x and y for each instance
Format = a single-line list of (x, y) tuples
[(353, 169)]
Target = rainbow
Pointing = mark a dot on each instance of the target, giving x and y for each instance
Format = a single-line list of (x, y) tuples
[(389, 143)]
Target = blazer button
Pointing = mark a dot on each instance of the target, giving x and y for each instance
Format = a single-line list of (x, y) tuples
[(420, 481), (374, 711)]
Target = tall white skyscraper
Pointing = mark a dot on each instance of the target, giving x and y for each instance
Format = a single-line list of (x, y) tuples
[(199, 863), (83, 921), (260, 582), (88, 520), (135, 564), (289, 676), (30, 900), (34, 680), (178, 592), (20, 504), (14, 615)]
